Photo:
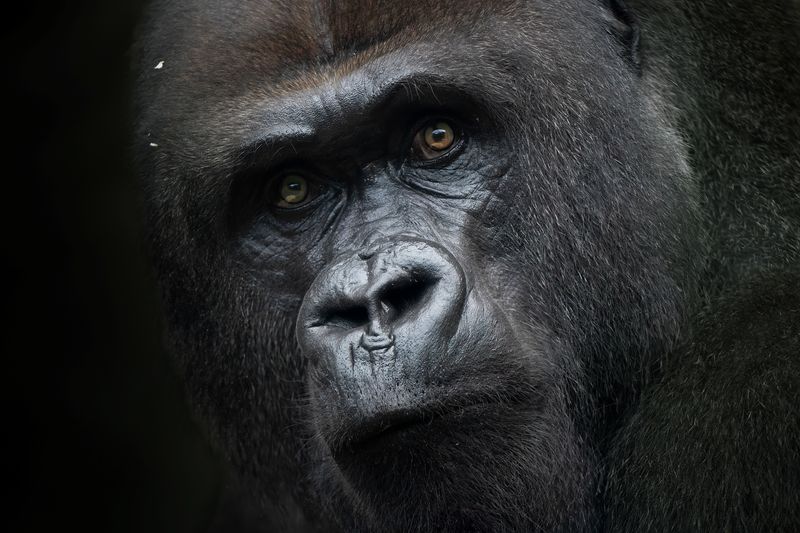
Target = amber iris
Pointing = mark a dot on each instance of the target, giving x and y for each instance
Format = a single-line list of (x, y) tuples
[(439, 136), (293, 191), (434, 140)]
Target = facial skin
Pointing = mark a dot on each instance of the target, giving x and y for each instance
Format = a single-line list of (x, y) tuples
[(416, 257)]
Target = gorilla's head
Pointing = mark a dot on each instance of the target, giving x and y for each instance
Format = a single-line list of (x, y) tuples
[(417, 257)]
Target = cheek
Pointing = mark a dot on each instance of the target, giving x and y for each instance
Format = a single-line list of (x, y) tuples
[(282, 267), (494, 227)]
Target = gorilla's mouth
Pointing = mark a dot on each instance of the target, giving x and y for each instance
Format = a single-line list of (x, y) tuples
[(380, 429), (407, 428)]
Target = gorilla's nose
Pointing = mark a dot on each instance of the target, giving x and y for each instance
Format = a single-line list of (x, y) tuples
[(397, 301)]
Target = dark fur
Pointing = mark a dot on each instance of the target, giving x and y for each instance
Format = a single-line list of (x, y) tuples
[(644, 238)]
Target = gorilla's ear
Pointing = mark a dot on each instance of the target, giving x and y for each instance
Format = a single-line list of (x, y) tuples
[(622, 24)]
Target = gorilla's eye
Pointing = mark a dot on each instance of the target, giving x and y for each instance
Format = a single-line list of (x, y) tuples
[(435, 139), (294, 191)]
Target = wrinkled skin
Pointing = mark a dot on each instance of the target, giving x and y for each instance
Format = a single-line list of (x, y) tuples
[(548, 326)]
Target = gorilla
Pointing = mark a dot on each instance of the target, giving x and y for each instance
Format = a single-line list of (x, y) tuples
[(497, 265)]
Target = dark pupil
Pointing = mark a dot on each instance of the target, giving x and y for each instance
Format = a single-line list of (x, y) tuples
[(294, 186), (439, 135)]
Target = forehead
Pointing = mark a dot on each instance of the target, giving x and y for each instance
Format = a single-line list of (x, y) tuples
[(222, 66), (280, 36)]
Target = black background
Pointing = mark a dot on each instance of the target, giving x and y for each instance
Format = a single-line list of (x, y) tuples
[(96, 435)]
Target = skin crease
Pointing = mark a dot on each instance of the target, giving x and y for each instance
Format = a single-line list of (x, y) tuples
[(583, 316)]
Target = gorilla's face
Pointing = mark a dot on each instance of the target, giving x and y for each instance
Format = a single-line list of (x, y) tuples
[(410, 251)]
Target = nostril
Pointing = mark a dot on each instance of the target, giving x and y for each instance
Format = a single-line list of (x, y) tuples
[(403, 296), (345, 317)]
